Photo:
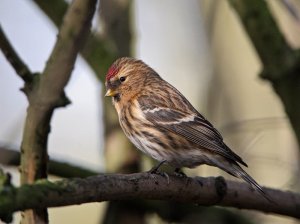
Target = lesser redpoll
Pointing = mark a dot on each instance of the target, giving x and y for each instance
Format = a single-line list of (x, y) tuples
[(162, 123)]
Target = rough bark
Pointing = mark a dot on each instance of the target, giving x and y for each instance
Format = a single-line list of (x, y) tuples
[(200, 191)]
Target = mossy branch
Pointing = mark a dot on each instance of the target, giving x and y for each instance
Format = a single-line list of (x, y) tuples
[(281, 63), (277, 56), (200, 191)]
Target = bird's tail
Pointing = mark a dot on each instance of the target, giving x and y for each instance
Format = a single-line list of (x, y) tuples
[(237, 171)]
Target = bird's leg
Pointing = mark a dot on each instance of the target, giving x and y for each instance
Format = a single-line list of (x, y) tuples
[(181, 174), (155, 170)]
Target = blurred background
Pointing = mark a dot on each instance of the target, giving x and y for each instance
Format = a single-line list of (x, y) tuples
[(200, 47)]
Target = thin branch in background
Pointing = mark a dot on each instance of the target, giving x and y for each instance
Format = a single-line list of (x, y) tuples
[(55, 9), (256, 126), (16, 62), (11, 157), (247, 146), (277, 56), (115, 17), (291, 9), (202, 191), (265, 123), (96, 51)]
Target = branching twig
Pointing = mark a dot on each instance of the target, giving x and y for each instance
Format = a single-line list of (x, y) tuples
[(201, 191), (48, 94)]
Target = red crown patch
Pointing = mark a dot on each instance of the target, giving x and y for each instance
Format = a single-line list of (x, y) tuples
[(112, 71)]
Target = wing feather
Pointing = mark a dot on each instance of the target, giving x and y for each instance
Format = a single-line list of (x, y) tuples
[(193, 127)]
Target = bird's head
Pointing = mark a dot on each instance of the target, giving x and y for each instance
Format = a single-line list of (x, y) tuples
[(126, 78)]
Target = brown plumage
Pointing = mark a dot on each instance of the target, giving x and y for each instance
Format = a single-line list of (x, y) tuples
[(162, 123)]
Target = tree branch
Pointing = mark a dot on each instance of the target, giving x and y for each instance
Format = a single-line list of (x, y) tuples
[(48, 94), (55, 10), (16, 62), (281, 64), (202, 191), (169, 211), (275, 53), (96, 51), (115, 16), (11, 157)]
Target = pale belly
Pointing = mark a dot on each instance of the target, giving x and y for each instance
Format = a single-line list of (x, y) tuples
[(153, 147), (180, 158)]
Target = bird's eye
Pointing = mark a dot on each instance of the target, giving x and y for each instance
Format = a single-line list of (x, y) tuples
[(122, 79)]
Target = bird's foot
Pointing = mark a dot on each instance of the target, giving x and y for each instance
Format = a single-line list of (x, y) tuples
[(181, 174), (155, 170)]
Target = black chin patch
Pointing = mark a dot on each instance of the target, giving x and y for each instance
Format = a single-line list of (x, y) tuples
[(117, 97)]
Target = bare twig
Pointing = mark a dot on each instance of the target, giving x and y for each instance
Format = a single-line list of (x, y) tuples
[(202, 191), (291, 9), (48, 94), (11, 157), (11, 55)]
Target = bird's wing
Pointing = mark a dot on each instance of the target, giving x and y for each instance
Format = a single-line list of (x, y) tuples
[(193, 127)]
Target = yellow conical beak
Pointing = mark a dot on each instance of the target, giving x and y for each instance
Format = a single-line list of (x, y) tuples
[(111, 92)]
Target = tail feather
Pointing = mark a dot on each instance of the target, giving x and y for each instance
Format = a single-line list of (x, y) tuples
[(239, 172)]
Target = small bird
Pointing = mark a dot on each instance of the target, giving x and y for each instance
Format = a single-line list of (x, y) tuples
[(163, 124)]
